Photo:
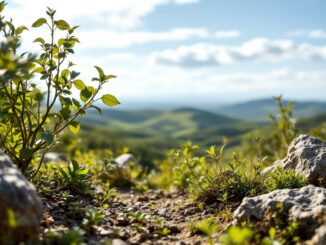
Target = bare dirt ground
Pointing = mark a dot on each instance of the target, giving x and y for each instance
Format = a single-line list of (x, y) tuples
[(153, 217)]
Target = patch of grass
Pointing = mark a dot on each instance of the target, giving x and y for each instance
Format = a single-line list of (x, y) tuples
[(284, 178)]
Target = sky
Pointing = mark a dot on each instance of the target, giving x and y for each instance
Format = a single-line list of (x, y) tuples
[(194, 52)]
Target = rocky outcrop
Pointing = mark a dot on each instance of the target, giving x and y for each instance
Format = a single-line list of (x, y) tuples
[(124, 160), (307, 155), (306, 206), (319, 238), (19, 204), (55, 157)]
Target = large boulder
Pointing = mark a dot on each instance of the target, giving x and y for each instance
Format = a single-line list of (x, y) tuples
[(307, 155), (306, 206), (19, 203)]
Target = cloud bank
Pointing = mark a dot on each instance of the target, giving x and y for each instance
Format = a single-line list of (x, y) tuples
[(204, 54)]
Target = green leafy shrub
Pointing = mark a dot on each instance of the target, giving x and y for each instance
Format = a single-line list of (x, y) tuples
[(33, 120)]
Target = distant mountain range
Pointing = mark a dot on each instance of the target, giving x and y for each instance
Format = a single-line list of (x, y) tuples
[(155, 131), (170, 123), (258, 110)]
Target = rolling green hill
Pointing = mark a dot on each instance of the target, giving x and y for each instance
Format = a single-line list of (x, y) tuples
[(258, 110), (172, 123), (150, 133)]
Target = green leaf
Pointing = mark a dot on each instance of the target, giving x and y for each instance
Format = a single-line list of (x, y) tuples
[(65, 73), (39, 40), (75, 165), (79, 84), (74, 127), (97, 108), (20, 29), (64, 174), (66, 101), (12, 219), (39, 70), (65, 113), (110, 100), (85, 94), (74, 74), (108, 77), (3, 128), (62, 25), (100, 72), (47, 136), (39, 22), (60, 80), (26, 153), (76, 102), (61, 41), (2, 6)]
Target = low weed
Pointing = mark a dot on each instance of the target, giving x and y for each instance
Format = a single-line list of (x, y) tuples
[(284, 178), (206, 227)]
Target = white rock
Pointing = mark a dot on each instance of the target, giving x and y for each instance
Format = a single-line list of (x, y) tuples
[(124, 160), (306, 206), (307, 155), (18, 195)]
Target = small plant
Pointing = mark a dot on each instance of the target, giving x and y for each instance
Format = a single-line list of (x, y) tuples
[(237, 236), (207, 227), (70, 237), (75, 177), (75, 210), (216, 181), (156, 223), (273, 141), (106, 194), (93, 218), (30, 123), (285, 122), (186, 164), (285, 178)]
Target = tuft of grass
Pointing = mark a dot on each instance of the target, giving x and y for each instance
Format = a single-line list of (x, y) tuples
[(283, 179), (214, 181)]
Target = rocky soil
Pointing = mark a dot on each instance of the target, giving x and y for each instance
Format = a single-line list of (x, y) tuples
[(172, 208)]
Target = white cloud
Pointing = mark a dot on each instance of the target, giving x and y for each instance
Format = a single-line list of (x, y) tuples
[(315, 34), (204, 54), (296, 33), (112, 39), (117, 39), (227, 34), (121, 14), (186, 1), (164, 84), (319, 34)]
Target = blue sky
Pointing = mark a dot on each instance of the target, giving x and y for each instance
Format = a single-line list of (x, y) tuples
[(195, 51)]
